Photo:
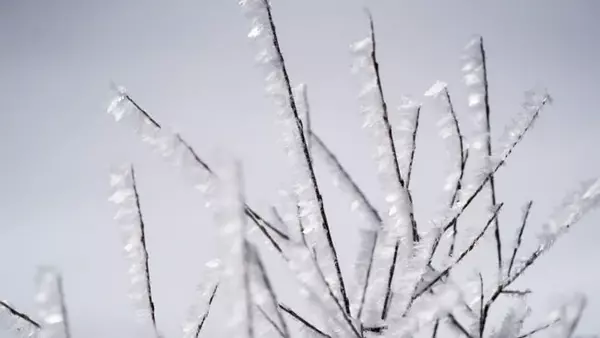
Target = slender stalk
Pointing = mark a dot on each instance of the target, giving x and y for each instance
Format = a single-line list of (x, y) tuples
[(271, 321), (413, 149), (519, 236), (388, 126), (538, 329), (21, 315), (488, 144), (303, 321), (463, 163), (205, 315), (142, 227), (459, 326), (306, 154)]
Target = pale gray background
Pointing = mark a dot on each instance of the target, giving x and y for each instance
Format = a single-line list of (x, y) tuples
[(190, 64)]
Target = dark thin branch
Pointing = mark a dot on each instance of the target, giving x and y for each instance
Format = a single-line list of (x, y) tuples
[(459, 326), (205, 315), (271, 321), (481, 295), (413, 149), (21, 315), (538, 329), (403, 185), (63, 306), (388, 294), (488, 144), (303, 321), (435, 328), (146, 115), (253, 252), (306, 153), (142, 227), (388, 126), (519, 293), (463, 162), (519, 236)]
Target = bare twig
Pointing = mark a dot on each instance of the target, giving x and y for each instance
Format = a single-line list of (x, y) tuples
[(413, 148), (21, 315), (519, 236), (306, 152), (488, 145), (303, 321), (463, 162), (388, 126), (205, 315), (142, 228), (538, 329), (271, 321), (459, 326)]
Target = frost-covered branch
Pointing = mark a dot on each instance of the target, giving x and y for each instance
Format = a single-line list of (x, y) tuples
[(129, 216), (50, 299), (279, 86), (476, 77), (450, 132), (16, 321), (519, 239)]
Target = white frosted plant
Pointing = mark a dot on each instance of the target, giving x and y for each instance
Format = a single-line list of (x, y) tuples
[(404, 280)]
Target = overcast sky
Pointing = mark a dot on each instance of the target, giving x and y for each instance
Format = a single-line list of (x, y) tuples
[(191, 65)]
